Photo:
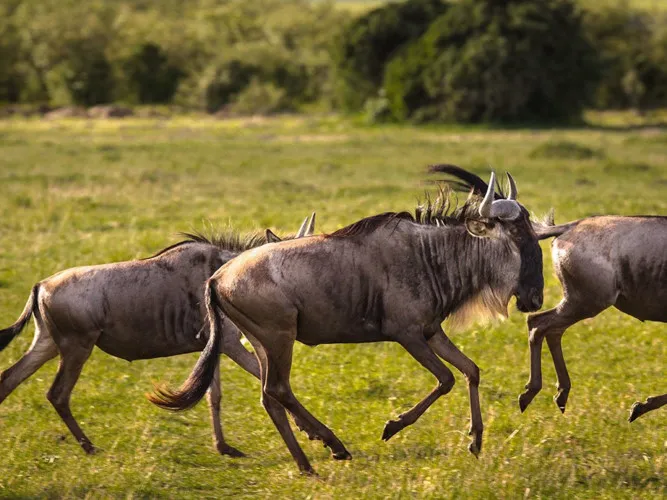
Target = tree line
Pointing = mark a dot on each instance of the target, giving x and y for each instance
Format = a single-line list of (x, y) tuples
[(417, 60)]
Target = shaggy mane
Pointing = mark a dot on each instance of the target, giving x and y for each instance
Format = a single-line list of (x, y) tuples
[(227, 240), (444, 210)]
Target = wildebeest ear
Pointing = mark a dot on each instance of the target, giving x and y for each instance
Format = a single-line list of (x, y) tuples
[(271, 237), (478, 228)]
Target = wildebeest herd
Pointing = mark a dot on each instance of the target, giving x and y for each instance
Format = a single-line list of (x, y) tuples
[(389, 277)]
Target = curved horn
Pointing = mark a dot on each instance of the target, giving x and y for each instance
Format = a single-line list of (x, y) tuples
[(311, 225), (302, 230), (485, 207), (513, 190)]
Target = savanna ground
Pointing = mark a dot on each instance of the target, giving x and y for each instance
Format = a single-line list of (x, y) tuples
[(84, 192)]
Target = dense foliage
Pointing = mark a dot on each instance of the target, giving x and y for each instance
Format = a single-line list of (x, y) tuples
[(632, 46), (423, 60), (198, 53), (487, 60), (368, 43)]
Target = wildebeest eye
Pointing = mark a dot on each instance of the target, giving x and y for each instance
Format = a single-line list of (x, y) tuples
[(479, 228)]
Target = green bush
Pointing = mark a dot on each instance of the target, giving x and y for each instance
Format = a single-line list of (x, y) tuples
[(11, 80), (264, 64), (260, 98), (365, 46), (10, 77), (151, 77), (225, 81), (633, 50), (492, 60), (86, 73)]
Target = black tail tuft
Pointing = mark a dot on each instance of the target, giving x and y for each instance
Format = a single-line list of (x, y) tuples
[(8, 334)]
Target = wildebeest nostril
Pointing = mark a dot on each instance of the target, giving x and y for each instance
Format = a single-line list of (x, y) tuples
[(537, 300)]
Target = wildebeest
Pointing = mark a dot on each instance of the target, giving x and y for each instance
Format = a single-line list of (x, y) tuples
[(601, 262), (390, 277), (138, 309)]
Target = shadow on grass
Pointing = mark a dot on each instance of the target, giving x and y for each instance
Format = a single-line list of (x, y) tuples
[(579, 125)]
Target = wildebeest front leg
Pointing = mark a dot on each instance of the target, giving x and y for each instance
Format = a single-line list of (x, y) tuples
[(413, 414), (652, 403), (534, 385), (563, 377), (446, 349), (392, 427), (214, 397), (551, 324), (422, 352), (233, 348)]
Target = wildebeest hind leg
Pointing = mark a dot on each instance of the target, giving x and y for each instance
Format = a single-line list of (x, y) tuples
[(278, 415), (42, 350), (214, 397), (652, 403), (277, 386), (446, 349), (73, 357), (233, 348)]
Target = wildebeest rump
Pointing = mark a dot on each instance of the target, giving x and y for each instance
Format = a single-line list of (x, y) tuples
[(391, 277), (601, 262), (139, 309)]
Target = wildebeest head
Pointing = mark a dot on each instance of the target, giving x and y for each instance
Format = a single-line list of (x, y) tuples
[(504, 218)]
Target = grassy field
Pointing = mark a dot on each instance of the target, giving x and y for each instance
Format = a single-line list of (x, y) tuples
[(83, 192)]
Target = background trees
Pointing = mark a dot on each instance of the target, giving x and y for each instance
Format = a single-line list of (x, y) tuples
[(419, 60)]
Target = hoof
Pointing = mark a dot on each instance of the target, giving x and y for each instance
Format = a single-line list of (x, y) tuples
[(230, 451), (342, 455), (525, 399), (475, 446), (635, 412), (89, 448), (391, 428), (308, 471), (561, 399)]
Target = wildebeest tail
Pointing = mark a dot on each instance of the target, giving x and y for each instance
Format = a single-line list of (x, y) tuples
[(196, 385), (547, 229), (8, 334)]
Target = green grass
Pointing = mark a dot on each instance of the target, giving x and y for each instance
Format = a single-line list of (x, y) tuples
[(82, 192)]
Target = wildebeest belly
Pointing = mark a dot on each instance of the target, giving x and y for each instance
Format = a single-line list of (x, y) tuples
[(642, 283), (315, 331), (142, 346), (644, 308)]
